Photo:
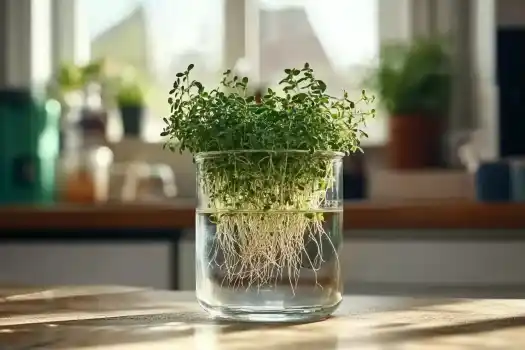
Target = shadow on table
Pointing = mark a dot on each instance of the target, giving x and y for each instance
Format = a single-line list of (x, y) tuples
[(193, 325), (124, 330), (461, 329), (196, 327)]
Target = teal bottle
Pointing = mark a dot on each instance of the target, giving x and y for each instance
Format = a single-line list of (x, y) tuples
[(29, 148)]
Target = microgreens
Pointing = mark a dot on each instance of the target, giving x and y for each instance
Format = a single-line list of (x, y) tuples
[(304, 117), (273, 155)]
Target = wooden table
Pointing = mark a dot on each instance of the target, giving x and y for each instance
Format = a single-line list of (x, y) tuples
[(444, 214), (131, 318)]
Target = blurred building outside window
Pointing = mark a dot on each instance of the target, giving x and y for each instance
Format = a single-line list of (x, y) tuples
[(339, 38)]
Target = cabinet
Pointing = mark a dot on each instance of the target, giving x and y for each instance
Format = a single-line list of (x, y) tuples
[(143, 264)]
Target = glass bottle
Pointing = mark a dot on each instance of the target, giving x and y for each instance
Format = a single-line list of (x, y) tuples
[(87, 158)]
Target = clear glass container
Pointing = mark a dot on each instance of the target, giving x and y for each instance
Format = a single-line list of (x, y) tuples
[(268, 234), (86, 175)]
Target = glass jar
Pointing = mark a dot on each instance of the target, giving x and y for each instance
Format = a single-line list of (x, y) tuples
[(268, 234), (86, 175)]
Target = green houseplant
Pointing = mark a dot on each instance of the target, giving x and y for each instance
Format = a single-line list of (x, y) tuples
[(269, 218), (413, 82), (69, 77), (72, 79), (130, 101)]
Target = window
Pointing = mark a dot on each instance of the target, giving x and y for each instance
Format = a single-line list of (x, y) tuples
[(158, 38), (339, 38)]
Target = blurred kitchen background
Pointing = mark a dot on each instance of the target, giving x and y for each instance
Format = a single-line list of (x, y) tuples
[(83, 89), (110, 65)]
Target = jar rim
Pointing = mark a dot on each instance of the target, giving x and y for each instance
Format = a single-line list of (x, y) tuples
[(333, 154)]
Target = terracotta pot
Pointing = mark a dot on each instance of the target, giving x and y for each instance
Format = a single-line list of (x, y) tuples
[(414, 142)]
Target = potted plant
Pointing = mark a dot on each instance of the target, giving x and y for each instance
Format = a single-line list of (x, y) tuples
[(70, 86), (269, 218), (69, 77), (413, 82), (130, 101)]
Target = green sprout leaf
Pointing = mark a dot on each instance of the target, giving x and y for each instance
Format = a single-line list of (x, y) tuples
[(227, 117)]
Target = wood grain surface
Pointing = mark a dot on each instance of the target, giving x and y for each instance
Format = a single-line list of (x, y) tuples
[(131, 318), (364, 215)]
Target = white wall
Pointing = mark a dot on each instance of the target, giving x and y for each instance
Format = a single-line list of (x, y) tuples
[(394, 20)]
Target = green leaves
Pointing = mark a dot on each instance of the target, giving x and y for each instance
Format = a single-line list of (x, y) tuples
[(199, 86), (321, 85), (414, 78), (300, 97), (301, 116)]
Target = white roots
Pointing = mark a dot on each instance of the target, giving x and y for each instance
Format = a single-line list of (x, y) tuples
[(279, 228), (260, 248)]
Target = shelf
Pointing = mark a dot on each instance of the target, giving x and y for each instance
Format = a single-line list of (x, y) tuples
[(357, 215)]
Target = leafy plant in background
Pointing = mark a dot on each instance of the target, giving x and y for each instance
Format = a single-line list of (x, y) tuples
[(268, 155), (69, 77), (130, 98), (130, 94), (121, 83), (414, 78), (94, 71)]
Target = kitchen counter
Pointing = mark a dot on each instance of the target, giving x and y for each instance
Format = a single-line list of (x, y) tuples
[(389, 247), (101, 317), (357, 215)]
